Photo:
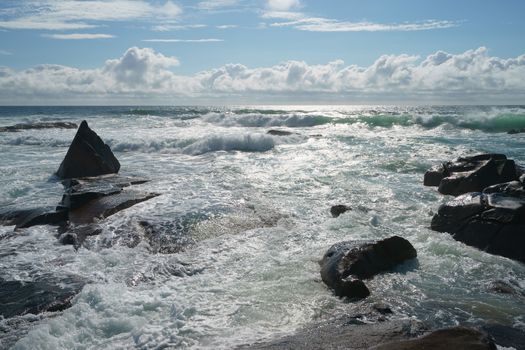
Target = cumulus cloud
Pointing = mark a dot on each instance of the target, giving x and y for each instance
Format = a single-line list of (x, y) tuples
[(170, 27), (143, 74), (75, 14)]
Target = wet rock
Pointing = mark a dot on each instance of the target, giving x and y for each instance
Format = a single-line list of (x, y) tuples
[(344, 333), (346, 262), (515, 131), (382, 308), (166, 237), (506, 336), (471, 174), (35, 297), (76, 235), (493, 221), (503, 287), (103, 207), (279, 132), (339, 209), (38, 125), (449, 338), (87, 156), (33, 217)]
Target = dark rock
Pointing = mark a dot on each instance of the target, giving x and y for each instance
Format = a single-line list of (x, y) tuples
[(339, 209), (33, 217), (279, 132), (38, 125), (506, 336), (87, 156), (344, 333), (382, 308), (166, 237), (76, 235), (450, 338), (346, 261), (103, 207), (34, 297), (471, 174), (493, 221), (504, 287), (516, 131)]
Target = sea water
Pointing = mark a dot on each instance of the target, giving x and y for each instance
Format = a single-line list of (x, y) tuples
[(257, 208)]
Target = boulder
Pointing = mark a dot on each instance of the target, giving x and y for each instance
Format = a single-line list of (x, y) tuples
[(339, 209), (471, 174), (87, 156), (34, 297), (492, 220), (515, 131), (346, 263), (449, 338)]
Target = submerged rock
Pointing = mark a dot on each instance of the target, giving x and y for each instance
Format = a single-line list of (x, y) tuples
[(35, 297), (515, 131), (38, 125), (275, 132), (471, 174), (345, 263), (448, 338), (87, 156), (339, 209), (344, 333)]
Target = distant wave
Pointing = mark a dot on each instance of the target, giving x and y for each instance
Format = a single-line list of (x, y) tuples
[(267, 120), (35, 141), (212, 143), (497, 122)]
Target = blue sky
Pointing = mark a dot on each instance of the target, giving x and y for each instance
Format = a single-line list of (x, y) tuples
[(301, 49)]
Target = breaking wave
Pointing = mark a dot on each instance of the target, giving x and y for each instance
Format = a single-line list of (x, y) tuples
[(212, 143)]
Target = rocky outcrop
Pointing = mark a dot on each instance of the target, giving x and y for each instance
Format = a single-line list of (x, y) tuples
[(275, 132), (38, 125), (87, 156), (35, 297), (516, 131), (472, 174), (345, 264), (339, 209), (492, 220), (491, 214), (448, 338)]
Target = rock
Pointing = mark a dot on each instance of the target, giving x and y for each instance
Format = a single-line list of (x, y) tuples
[(503, 287), (506, 336), (279, 132), (471, 174), (515, 131), (105, 206), (382, 308), (34, 297), (76, 235), (344, 333), (347, 261), (166, 237), (493, 220), (450, 338), (38, 125), (33, 217), (87, 156), (339, 209)]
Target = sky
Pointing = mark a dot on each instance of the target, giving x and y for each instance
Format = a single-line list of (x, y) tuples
[(89, 52)]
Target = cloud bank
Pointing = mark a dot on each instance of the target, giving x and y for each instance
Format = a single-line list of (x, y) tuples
[(141, 75)]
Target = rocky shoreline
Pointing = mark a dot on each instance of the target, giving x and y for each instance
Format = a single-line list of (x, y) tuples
[(487, 213)]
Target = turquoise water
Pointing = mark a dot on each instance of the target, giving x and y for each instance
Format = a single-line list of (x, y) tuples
[(261, 205)]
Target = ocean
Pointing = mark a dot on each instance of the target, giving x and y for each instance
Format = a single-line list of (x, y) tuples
[(255, 209)]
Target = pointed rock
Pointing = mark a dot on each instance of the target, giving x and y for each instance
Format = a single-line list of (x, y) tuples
[(87, 156)]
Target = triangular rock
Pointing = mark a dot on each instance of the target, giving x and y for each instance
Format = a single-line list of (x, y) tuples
[(87, 156)]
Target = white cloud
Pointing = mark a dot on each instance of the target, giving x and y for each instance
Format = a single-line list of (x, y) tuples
[(282, 5), (143, 74), (227, 26), (75, 14), (315, 24), (216, 4), (170, 27), (79, 36), (183, 40), (5, 53)]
